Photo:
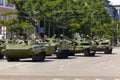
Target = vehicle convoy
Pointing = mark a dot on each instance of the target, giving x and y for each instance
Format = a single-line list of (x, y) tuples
[(56, 46), (24, 49), (81, 46), (104, 45)]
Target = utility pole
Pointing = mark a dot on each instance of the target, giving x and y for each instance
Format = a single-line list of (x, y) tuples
[(92, 14)]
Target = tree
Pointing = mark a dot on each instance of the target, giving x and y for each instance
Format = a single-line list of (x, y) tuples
[(84, 16)]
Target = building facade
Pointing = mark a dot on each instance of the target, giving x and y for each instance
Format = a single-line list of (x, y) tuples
[(112, 10), (117, 7), (5, 7)]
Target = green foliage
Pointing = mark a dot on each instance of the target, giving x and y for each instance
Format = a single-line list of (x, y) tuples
[(9, 13), (24, 25), (9, 23), (84, 16)]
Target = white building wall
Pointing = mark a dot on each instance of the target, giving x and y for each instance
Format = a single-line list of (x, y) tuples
[(4, 4), (118, 12)]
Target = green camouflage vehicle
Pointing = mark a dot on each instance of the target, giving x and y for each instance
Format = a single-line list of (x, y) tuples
[(49, 49), (2, 46), (81, 46), (24, 49), (62, 49), (104, 45), (56, 46)]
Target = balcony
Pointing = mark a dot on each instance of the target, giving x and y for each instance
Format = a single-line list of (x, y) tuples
[(9, 6)]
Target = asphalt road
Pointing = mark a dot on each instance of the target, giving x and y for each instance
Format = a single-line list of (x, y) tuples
[(101, 67)]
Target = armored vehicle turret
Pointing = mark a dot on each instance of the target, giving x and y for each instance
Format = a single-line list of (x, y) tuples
[(24, 49), (105, 45)]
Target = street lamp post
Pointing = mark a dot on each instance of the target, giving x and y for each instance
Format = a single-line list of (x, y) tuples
[(92, 14)]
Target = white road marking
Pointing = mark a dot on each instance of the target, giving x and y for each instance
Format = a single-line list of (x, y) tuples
[(117, 79), (99, 79), (58, 79), (69, 63), (61, 65), (16, 65), (78, 79), (61, 69), (78, 61)]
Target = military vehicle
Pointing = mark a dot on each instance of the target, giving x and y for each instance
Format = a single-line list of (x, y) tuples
[(81, 46), (62, 49), (56, 46), (24, 49), (104, 45), (2, 46)]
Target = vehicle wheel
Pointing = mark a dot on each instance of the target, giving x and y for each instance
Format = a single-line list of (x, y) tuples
[(58, 55), (1, 56), (86, 52), (72, 54), (9, 59), (63, 54), (107, 51), (42, 56), (38, 57), (48, 54), (92, 54)]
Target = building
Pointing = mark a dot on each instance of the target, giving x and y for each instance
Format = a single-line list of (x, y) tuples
[(112, 10), (117, 7), (5, 7)]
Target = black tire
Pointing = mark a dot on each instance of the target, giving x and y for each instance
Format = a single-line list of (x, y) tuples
[(64, 54), (86, 52), (48, 54), (42, 56), (107, 51), (38, 57), (72, 54), (1, 56), (10, 59), (92, 54)]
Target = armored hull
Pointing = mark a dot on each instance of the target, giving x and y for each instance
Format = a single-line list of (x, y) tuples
[(14, 52), (104, 45), (56, 46)]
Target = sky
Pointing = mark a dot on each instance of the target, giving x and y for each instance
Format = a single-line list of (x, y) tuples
[(115, 2)]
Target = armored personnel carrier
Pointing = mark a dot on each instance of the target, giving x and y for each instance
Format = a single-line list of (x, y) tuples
[(62, 49), (104, 45), (56, 46), (24, 49), (81, 46)]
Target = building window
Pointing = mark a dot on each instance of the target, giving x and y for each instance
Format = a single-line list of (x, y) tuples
[(10, 17), (1, 2), (1, 17), (7, 18)]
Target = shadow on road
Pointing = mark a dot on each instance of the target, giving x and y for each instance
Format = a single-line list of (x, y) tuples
[(106, 54), (87, 56), (70, 57), (34, 61)]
